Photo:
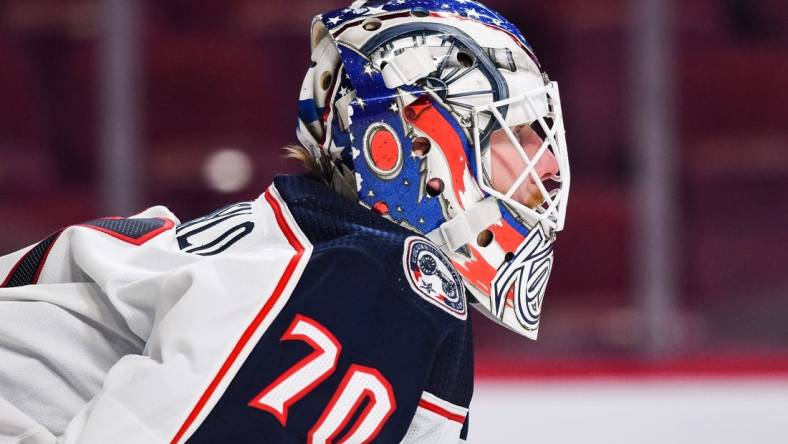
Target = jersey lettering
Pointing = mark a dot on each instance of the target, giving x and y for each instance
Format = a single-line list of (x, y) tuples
[(216, 232), (302, 378), (358, 385)]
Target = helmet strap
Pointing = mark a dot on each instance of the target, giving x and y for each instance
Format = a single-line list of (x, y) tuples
[(465, 227)]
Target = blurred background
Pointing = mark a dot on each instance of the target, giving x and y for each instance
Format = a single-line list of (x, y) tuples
[(672, 272)]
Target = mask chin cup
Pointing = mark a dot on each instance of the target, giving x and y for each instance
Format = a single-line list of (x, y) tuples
[(524, 279)]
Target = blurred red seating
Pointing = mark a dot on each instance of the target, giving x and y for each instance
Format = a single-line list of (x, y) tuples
[(25, 167), (733, 89), (736, 209), (593, 253), (205, 93), (26, 221)]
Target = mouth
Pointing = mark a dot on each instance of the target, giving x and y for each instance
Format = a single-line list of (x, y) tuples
[(529, 195)]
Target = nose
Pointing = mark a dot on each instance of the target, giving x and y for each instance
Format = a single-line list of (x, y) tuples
[(547, 165), (508, 165)]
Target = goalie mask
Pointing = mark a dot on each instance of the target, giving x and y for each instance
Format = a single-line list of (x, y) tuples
[(438, 116)]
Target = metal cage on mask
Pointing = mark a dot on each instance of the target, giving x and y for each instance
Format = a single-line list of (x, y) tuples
[(423, 79)]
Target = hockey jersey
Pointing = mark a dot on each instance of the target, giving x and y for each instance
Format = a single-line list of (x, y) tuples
[(298, 317)]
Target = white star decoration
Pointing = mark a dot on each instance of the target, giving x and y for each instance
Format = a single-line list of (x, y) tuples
[(497, 22), (369, 70), (375, 10), (371, 193), (334, 20), (360, 103), (355, 152), (343, 91), (394, 107), (472, 13)]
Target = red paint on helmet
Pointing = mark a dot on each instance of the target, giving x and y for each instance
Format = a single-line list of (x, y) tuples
[(423, 115), (384, 149), (507, 236), (476, 271), (480, 273), (381, 208)]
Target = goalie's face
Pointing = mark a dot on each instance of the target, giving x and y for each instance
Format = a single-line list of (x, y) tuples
[(508, 162)]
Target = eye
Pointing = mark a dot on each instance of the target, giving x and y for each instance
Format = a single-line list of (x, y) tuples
[(518, 133)]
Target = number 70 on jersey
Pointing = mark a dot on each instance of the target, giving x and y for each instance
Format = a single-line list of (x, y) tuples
[(359, 384)]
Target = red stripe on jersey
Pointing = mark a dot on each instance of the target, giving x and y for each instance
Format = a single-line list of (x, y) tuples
[(249, 332), (441, 411)]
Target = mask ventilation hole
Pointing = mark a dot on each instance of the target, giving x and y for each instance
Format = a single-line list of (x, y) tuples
[(484, 238), (419, 12), (325, 80), (465, 59), (372, 24), (509, 256), (421, 146), (434, 187)]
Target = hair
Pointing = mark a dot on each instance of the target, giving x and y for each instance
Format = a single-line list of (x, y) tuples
[(325, 170), (312, 166)]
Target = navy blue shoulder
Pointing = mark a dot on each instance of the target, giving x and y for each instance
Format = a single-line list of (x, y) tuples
[(326, 217), (370, 251), (338, 226)]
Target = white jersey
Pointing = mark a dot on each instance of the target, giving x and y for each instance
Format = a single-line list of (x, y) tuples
[(145, 330)]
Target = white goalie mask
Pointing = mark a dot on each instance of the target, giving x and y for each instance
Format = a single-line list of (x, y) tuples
[(441, 117)]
